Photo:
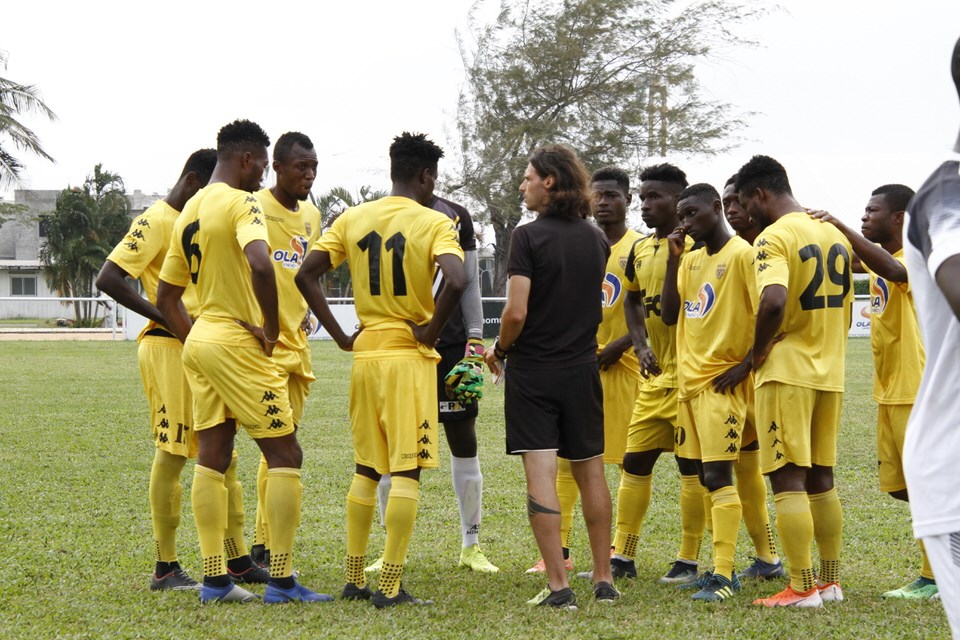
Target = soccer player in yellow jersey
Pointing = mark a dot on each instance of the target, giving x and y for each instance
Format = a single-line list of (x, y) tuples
[(220, 246), (293, 224), (895, 339), (711, 297), (619, 369), (652, 428), (140, 255), (392, 246), (804, 282)]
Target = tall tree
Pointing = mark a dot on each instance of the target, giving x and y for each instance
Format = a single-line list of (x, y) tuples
[(15, 100), (614, 79), (81, 231)]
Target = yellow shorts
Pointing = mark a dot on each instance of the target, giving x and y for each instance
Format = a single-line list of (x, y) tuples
[(297, 367), (891, 428), (393, 410), (710, 425), (241, 382), (620, 388), (168, 394), (749, 435), (797, 425), (654, 421)]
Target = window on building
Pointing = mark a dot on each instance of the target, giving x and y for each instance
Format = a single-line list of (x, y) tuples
[(44, 224), (23, 285)]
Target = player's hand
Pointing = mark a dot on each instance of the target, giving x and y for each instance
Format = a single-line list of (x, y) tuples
[(823, 216), (609, 356), (420, 333), (307, 325), (729, 379), (648, 362), (265, 344), (761, 357), (465, 381), (348, 345), (493, 364), (676, 242)]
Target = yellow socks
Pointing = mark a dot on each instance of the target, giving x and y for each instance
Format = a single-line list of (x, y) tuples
[(795, 525), (926, 571), (401, 514), (233, 544), (165, 500), (361, 505), (693, 518), (726, 526), (633, 499), (284, 493), (210, 513), (753, 498), (568, 492), (828, 532), (260, 535)]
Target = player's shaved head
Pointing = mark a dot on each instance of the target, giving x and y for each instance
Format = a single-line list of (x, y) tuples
[(896, 195)]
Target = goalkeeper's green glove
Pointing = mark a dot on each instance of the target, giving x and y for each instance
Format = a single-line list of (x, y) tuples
[(465, 381)]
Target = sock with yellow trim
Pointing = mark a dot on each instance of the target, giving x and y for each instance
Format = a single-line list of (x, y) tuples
[(284, 494), (708, 512), (209, 497), (795, 525), (926, 571), (693, 518), (753, 498), (233, 543), (827, 517), (361, 505), (633, 500), (165, 501), (260, 535), (401, 514), (726, 527), (568, 492)]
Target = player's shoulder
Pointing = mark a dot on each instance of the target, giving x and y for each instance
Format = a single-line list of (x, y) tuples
[(455, 209)]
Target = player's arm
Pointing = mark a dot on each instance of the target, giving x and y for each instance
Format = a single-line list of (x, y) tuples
[(670, 296), (174, 314), (471, 307), (770, 312), (948, 280), (264, 281), (511, 321), (112, 280), (636, 325), (875, 257), (307, 280), (451, 267), (611, 354)]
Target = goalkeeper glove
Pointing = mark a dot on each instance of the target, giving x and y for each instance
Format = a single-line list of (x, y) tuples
[(465, 381)]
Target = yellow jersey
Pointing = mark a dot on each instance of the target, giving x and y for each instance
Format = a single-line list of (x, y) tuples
[(718, 302), (291, 235), (645, 272), (614, 323), (206, 249), (391, 246), (812, 260), (142, 251), (898, 354)]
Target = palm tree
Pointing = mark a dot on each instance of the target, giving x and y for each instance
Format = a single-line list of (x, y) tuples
[(15, 100)]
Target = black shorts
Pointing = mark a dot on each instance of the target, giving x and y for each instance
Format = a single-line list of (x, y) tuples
[(555, 410), (452, 410)]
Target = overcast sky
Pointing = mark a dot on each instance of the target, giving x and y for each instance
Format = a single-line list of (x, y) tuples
[(847, 94)]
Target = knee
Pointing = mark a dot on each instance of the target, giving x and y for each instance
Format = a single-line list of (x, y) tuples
[(900, 495), (714, 478), (640, 464), (687, 466), (819, 479)]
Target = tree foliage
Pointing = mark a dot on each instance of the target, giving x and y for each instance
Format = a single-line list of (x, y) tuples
[(614, 79), (15, 100), (84, 227)]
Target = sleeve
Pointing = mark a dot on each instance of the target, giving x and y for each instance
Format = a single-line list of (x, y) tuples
[(248, 220), (520, 260), (770, 262), (749, 277), (139, 247), (445, 237), (944, 232), (175, 269), (630, 270), (471, 307), (332, 241)]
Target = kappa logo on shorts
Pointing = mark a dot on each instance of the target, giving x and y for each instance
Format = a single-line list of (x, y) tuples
[(773, 427), (164, 424), (163, 409), (272, 410), (277, 423), (732, 448), (732, 419), (268, 395), (425, 425), (424, 439), (425, 455), (776, 441), (732, 434)]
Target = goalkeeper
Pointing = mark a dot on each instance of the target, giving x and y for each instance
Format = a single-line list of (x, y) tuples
[(459, 387)]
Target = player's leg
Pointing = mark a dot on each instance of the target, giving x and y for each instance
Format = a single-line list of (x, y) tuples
[(543, 513), (942, 550), (240, 565), (693, 517), (567, 493), (825, 506)]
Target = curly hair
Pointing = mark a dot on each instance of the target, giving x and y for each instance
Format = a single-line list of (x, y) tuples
[(241, 135), (765, 173), (665, 172), (570, 195), (410, 154), (614, 174), (896, 195)]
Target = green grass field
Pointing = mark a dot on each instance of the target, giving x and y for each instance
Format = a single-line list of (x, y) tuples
[(75, 455)]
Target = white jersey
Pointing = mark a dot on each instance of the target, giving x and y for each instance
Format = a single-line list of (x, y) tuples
[(932, 446)]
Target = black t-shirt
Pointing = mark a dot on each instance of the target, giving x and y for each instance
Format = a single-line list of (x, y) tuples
[(455, 331), (565, 259)]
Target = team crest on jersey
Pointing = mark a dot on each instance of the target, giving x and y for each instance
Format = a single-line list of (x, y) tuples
[(721, 269), (622, 261), (879, 295), (307, 228), (706, 299), (291, 258), (611, 289)]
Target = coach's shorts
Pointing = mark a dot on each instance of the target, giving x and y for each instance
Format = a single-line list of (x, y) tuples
[(798, 425), (555, 410), (653, 424), (393, 410), (620, 388), (452, 410), (168, 394), (710, 425), (237, 381), (891, 429), (297, 367)]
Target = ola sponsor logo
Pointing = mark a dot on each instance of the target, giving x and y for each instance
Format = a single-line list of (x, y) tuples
[(291, 258), (879, 295), (706, 299), (611, 290)]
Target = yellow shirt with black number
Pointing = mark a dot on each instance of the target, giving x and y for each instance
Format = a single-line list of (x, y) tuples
[(898, 354), (207, 249), (812, 260), (718, 300), (142, 251), (646, 270), (391, 245), (291, 233), (614, 323)]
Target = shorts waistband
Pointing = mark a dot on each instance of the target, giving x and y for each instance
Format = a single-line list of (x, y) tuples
[(160, 333)]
